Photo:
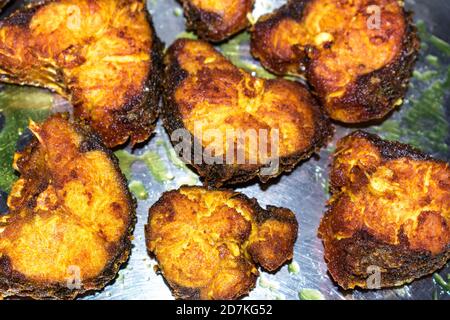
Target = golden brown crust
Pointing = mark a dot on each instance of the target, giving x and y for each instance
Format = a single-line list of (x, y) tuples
[(207, 242), (104, 56), (217, 20), (202, 88), (390, 209), (70, 215), (359, 72)]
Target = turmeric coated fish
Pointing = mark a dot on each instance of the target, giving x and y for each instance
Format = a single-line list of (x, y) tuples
[(358, 55), (273, 121), (208, 242), (103, 56), (388, 221), (68, 229)]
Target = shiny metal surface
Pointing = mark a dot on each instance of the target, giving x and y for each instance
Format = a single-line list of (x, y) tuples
[(304, 191)]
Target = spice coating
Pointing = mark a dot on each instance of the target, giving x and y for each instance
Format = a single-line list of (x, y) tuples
[(390, 209), (204, 90), (357, 55), (70, 216), (103, 56), (208, 242)]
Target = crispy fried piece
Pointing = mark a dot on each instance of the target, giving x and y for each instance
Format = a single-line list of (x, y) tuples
[(71, 215), (104, 56), (207, 242), (390, 210), (359, 65), (217, 20), (205, 90)]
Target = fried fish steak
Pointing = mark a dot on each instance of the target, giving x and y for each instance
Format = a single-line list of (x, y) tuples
[(390, 212), (217, 20), (102, 55), (357, 54), (205, 91), (208, 242), (70, 217)]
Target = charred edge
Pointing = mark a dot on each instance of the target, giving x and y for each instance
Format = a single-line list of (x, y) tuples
[(139, 114), (23, 15), (291, 10), (378, 99), (161, 202), (349, 259), (184, 293), (174, 75), (391, 150), (187, 293), (202, 22), (217, 175), (17, 285), (282, 215), (262, 215), (294, 10)]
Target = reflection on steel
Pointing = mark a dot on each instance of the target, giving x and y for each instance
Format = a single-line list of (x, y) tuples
[(304, 191)]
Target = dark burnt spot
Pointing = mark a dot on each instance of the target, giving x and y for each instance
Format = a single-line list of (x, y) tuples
[(391, 150), (444, 184), (91, 145), (59, 157), (90, 197), (424, 201), (186, 293), (292, 10), (70, 58), (402, 237), (205, 24), (73, 174), (3, 204), (328, 45), (115, 206), (5, 266), (24, 140), (349, 261), (174, 72), (21, 18)]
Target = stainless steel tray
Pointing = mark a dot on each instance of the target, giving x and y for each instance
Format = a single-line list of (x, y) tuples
[(423, 121)]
